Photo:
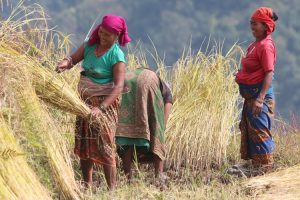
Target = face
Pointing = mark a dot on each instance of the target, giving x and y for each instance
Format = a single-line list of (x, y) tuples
[(106, 38), (258, 29)]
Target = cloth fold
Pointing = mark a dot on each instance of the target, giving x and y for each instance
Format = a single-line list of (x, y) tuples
[(87, 88), (142, 111)]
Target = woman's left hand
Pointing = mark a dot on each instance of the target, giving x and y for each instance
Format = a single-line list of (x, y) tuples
[(257, 107)]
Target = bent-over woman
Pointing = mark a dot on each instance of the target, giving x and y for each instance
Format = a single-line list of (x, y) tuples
[(143, 117)]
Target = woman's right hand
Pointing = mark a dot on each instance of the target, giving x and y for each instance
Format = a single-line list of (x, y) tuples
[(62, 66), (257, 107), (95, 112)]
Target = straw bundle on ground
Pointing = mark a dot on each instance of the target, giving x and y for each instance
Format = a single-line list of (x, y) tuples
[(41, 132), (17, 179), (25, 42), (25, 58), (204, 111), (28, 77), (283, 184)]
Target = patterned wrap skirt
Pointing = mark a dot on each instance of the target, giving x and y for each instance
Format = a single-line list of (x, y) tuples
[(94, 141), (256, 138)]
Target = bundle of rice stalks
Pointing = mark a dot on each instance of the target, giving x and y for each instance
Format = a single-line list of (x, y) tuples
[(26, 31), (56, 91), (17, 179), (283, 184), (42, 136), (204, 112), (27, 47), (25, 35), (50, 87), (24, 42)]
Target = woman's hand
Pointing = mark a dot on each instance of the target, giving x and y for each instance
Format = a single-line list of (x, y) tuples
[(62, 66), (95, 112), (69, 61), (257, 107)]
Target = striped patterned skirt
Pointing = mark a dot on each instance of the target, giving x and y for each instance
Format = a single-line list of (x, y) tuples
[(256, 138)]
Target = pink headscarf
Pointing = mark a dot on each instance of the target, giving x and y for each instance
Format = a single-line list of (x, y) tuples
[(264, 14), (114, 24)]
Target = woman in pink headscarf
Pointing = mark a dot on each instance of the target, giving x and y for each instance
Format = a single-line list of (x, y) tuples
[(100, 86), (255, 84)]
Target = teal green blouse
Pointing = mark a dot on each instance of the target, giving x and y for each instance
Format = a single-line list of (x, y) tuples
[(100, 69)]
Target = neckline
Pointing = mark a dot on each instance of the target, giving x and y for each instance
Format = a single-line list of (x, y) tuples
[(267, 37), (104, 52)]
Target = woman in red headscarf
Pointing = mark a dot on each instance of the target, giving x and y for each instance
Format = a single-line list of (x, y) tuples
[(100, 86), (255, 84)]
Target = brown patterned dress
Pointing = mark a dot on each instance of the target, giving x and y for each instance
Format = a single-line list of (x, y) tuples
[(92, 140)]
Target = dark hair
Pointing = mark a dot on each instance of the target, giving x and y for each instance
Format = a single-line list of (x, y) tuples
[(274, 17)]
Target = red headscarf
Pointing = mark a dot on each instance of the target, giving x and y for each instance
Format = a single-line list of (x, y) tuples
[(265, 14), (114, 24)]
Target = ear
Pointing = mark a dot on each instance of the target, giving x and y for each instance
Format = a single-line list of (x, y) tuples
[(117, 38), (265, 26)]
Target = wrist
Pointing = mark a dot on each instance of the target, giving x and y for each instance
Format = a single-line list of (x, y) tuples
[(259, 100), (70, 61), (261, 96)]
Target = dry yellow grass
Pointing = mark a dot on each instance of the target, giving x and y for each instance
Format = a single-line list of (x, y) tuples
[(32, 122), (17, 179), (36, 124), (205, 110), (282, 184)]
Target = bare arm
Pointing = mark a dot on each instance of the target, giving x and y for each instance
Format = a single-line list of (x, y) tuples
[(258, 103), (118, 79), (266, 85), (167, 98), (77, 56), (66, 63), (168, 107)]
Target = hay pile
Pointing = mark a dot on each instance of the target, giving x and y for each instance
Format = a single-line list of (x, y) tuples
[(204, 112), (283, 184), (24, 50), (17, 179)]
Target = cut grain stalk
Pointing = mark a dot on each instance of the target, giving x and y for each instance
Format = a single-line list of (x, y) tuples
[(17, 179)]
